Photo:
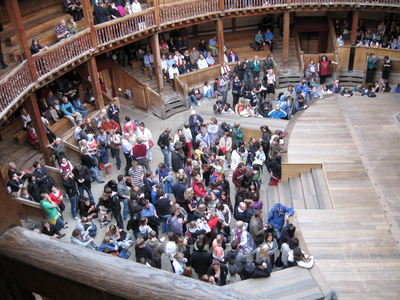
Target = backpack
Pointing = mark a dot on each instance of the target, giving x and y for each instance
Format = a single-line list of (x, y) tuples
[(216, 177), (190, 239)]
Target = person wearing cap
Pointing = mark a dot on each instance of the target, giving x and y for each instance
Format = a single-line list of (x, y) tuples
[(277, 217), (195, 121)]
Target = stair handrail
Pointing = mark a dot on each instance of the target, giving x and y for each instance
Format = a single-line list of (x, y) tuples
[(182, 90), (277, 70), (300, 54)]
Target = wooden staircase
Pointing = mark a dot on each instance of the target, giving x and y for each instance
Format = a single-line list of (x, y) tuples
[(309, 191), (287, 284), (292, 75), (173, 102), (351, 78)]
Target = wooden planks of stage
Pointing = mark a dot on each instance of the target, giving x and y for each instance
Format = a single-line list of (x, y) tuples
[(357, 141)]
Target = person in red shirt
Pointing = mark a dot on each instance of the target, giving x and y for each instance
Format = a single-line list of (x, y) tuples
[(56, 196), (129, 124), (108, 124), (239, 173), (65, 165), (139, 153)]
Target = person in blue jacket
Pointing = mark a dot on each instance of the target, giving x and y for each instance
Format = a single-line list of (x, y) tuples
[(277, 218), (277, 113)]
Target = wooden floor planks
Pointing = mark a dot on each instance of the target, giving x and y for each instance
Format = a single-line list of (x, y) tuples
[(355, 249)]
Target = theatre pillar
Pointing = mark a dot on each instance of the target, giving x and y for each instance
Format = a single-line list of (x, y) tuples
[(33, 110), (17, 24), (356, 16), (155, 45), (220, 40), (87, 14), (94, 79), (286, 35)]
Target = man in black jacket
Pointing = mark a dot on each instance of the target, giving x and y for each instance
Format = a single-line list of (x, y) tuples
[(68, 183), (148, 183), (163, 143), (82, 178), (15, 183), (116, 207), (256, 269), (176, 160), (88, 161), (43, 178), (201, 260), (100, 14)]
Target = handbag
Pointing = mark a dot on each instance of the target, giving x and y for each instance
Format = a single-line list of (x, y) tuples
[(151, 144), (206, 168), (61, 206), (198, 96), (215, 95), (107, 165)]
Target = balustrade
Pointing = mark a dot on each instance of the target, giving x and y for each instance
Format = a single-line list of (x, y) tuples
[(62, 53), (243, 4), (173, 12), (124, 27), (14, 86)]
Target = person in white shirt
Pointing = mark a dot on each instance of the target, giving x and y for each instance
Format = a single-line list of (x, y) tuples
[(164, 66), (145, 134), (136, 6), (340, 41), (173, 70), (178, 58), (188, 136), (225, 69), (202, 63)]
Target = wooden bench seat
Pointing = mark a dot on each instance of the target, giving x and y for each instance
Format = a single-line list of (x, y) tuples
[(12, 128), (21, 137)]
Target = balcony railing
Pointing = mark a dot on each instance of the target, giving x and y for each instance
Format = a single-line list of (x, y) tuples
[(18, 82)]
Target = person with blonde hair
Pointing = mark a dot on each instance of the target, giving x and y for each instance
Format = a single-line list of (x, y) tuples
[(243, 238)]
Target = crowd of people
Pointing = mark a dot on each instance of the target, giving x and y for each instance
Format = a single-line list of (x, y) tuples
[(187, 197)]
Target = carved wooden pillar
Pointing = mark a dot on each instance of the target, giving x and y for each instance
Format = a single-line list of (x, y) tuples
[(286, 35), (156, 13), (33, 110), (220, 40), (155, 45), (16, 21), (94, 79), (87, 13), (356, 16)]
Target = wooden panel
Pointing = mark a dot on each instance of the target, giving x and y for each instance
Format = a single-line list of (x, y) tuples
[(284, 194), (310, 196), (294, 170), (344, 52), (138, 95), (30, 210), (272, 198), (321, 188), (296, 191)]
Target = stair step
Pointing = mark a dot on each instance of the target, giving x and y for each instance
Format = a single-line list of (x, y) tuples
[(296, 192), (321, 189), (272, 198), (284, 194), (310, 195)]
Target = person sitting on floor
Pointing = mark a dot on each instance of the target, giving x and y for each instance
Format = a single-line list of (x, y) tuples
[(277, 113)]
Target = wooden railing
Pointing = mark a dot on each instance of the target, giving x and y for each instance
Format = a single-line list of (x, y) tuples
[(156, 101), (14, 87), (63, 55), (246, 4), (121, 28), (182, 90), (24, 261), (187, 10)]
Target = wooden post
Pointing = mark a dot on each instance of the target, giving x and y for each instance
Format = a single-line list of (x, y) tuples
[(94, 79), (87, 13), (157, 59), (157, 13), (220, 40), (195, 30), (221, 5), (233, 24), (356, 16), (33, 110), (24, 258), (286, 35), (16, 21)]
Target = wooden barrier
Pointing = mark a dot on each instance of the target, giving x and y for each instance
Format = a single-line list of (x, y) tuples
[(294, 170), (56, 175), (84, 277), (197, 78), (29, 210)]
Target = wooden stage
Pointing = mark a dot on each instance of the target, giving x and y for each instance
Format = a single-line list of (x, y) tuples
[(356, 245)]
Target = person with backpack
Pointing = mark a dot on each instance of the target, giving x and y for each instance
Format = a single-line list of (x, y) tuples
[(163, 206), (236, 259)]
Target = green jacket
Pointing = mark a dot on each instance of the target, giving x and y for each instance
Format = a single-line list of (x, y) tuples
[(51, 212), (256, 65), (237, 135)]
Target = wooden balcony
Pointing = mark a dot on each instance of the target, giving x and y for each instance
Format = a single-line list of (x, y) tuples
[(63, 56)]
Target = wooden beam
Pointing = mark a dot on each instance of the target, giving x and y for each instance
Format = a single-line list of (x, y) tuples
[(69, 274), (87, 14), (156, 13), (94, 79), (9, 209), (220, 39), (16, 21), (356, 16), (155, 45), (286, 36), (33, 110), (233, 25)]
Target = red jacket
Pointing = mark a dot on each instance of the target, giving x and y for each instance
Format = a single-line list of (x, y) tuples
[(238, 175), (110, 125), (139, 151), (199, 189)]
